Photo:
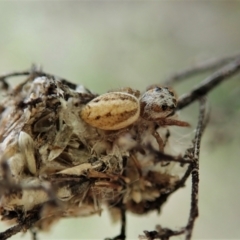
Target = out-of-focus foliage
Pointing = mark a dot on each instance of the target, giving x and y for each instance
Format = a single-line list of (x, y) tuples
[(107, 45)]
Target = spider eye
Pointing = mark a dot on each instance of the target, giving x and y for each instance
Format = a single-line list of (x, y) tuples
[(158, 89), (164, 107)]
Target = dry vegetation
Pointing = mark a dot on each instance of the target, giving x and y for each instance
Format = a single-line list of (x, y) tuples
[(54, 165)]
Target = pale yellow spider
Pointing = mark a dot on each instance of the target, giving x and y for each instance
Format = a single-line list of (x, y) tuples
[(117, 110)]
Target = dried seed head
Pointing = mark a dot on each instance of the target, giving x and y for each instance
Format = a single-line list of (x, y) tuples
[(44, 139)]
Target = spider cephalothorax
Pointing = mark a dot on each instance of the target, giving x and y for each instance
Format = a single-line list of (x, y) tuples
[(157, 103)]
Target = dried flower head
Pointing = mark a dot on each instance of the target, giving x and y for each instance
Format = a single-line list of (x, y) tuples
[(66, 148), (65, 151)]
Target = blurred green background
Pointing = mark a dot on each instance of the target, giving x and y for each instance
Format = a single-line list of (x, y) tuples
[(107, 45)]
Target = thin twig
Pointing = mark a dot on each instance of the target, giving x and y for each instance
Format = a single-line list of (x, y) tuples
[(195, 169), (9, 185), (15, 74), (161, 156), (27, 223), (33, 232), (122, 235), (162, 233), (36, 72), (191, 155), (209, 83), (202, 67)]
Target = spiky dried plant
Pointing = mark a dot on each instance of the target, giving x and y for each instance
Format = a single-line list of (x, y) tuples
[(66, 152)]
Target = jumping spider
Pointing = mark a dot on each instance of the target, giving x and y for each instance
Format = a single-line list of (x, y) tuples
[(117, 110)]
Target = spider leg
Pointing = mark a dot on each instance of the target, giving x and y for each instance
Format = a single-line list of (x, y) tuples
[(172, 122), (167, 135), (137, 165), (159, 141), (161, 144)]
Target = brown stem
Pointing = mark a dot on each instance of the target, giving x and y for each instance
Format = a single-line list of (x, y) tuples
[(209, 83), (202, 67), (195, 169)]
